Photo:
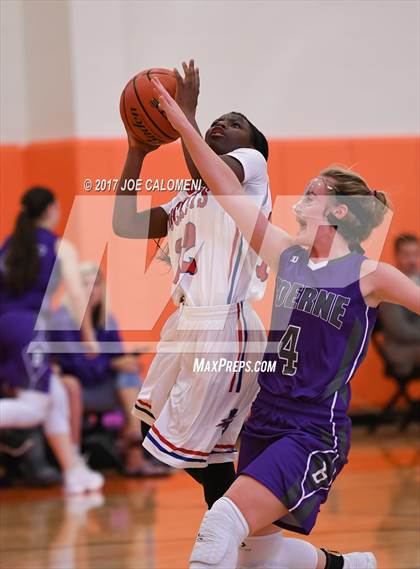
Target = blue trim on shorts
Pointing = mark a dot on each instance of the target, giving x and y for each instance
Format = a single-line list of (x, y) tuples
[(161, 448)]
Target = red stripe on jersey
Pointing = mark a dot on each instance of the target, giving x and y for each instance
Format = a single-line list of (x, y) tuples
[(173, 447), (144, 403)]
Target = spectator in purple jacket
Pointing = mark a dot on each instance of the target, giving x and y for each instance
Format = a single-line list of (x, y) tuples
[(111, 379)]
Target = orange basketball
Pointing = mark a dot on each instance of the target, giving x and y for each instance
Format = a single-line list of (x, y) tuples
[(139, 110)]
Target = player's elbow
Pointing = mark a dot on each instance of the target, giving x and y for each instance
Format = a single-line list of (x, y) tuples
[(118, 228), (127, 234)]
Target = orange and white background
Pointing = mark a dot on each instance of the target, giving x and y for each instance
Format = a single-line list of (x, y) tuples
[(327, 81)]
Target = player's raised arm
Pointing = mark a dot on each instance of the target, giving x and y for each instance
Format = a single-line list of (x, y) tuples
[(127, 221), (385, 283), (266, 239), (187, 91)]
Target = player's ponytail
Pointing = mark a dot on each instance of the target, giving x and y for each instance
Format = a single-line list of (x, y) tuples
[(366, 207), (382, 202), (22, 257)]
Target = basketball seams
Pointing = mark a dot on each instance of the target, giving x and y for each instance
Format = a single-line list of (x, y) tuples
[(145, 131), (146, 125), (125, 117), (146, 113), (157, 71)]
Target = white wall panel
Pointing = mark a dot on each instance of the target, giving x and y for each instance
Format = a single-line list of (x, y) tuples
[(48, 70), (12, 73), (297, 68)]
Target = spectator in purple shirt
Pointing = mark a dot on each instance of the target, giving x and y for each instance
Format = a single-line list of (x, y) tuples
[(29, 259), (111, 379)]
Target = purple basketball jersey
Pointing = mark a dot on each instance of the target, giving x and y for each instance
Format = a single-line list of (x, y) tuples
[(297, 438), (18, 316), (319, 331), (32, 298)]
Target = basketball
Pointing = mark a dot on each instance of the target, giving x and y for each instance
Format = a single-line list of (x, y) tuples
[(139, 109)]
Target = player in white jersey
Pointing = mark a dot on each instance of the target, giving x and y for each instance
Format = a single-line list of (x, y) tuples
[(201, 234), (202, 380)]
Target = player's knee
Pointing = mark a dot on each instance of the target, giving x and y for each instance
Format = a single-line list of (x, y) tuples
[(221, 532), (37, 405)]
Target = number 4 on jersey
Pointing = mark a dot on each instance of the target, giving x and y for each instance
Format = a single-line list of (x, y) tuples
[(287, 350)]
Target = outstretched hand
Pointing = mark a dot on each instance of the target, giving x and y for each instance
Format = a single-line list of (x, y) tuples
[(170, 107), (188, 88)]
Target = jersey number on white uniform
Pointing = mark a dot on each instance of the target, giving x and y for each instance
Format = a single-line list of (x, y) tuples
[(261, 271), (182, 245)]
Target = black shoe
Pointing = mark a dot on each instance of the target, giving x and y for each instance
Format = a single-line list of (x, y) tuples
[(34, 467), (15, 442)]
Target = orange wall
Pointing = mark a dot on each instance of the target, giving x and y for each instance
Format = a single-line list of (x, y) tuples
[(390, 164)]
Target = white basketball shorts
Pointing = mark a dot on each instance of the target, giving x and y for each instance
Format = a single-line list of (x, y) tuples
[(201, 383)]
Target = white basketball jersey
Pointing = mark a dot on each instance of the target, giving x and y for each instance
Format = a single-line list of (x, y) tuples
[(212, 262)]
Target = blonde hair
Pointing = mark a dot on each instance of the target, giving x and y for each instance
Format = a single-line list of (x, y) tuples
[(88, 268), (363, 215)]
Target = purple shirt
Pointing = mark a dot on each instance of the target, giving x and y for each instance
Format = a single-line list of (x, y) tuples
[(32, 298), (90, 371)]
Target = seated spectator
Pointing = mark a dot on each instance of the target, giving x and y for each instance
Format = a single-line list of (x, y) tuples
[(400, 326), (34, 394), (111, 379)]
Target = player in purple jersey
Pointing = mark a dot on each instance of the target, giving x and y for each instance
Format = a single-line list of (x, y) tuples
[(297, 438), (27, 280)]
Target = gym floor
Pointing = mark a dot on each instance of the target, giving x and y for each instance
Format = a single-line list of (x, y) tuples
[(151, 523)]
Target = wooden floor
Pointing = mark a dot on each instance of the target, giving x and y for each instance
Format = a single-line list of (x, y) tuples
[(151, 524)]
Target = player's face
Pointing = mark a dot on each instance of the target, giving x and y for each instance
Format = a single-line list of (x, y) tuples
[(228, 133), (311, 210)]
